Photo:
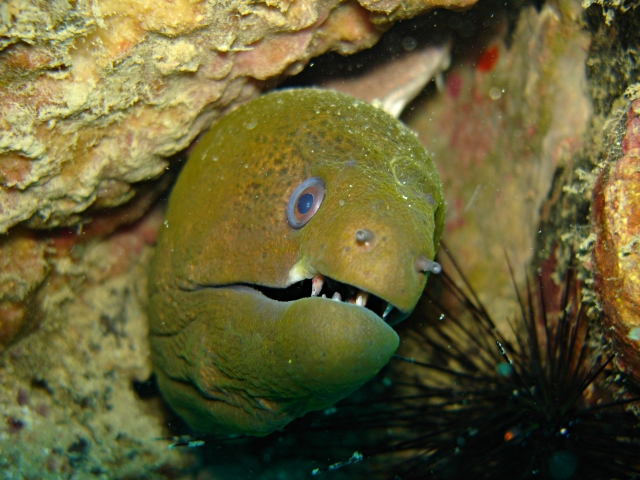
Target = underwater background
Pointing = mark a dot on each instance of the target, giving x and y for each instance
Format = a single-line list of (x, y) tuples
[(522, 361)]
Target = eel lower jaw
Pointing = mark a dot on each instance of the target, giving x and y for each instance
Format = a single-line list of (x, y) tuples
[(321, 286)]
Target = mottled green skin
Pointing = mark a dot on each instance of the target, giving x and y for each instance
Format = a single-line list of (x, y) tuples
[(230, 360)]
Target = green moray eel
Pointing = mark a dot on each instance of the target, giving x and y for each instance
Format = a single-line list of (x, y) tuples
[(302, 226)]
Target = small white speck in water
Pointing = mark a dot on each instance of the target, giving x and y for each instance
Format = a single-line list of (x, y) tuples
[(495, 93)]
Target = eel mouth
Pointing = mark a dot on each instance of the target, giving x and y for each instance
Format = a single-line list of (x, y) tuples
[(325, 287)]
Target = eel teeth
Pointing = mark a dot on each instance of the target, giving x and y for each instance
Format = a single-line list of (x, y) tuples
[(316, 285), (337, 297), (361, 298), (387, 310)]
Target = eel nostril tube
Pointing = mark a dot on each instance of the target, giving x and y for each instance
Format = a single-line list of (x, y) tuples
[(423, 265), (363, 235)]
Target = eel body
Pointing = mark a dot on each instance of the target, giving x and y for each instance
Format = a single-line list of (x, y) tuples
[(302, 226)]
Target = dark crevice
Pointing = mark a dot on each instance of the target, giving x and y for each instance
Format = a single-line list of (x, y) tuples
[(147, 389)]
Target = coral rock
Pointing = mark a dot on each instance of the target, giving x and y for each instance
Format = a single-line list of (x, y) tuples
[(616, 216), (23, 267)]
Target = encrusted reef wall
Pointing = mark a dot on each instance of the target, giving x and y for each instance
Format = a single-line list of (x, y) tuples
[(596, 216)]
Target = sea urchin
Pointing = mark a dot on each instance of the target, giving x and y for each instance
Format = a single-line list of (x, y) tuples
[(477, 405)]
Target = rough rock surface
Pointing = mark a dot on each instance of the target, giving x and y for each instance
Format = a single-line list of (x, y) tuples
[(96, 94), (616, 217), (23, 267), (69, 408), (595, 212)]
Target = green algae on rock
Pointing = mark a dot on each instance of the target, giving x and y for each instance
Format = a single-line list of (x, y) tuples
[(242, 336)]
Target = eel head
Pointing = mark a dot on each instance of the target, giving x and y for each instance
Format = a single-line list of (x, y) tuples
[(302, 227)]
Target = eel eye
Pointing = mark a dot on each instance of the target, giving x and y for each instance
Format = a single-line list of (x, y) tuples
[(304, 202)]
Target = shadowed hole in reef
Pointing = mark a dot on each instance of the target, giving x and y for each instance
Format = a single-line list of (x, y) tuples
[(470, 30), (149, 393), (77, 452), (41, 384), (146, 389), (14, 425)]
